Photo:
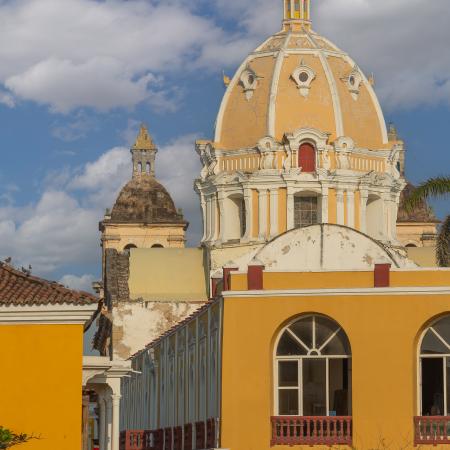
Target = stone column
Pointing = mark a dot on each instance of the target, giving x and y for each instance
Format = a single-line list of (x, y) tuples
[(290, 209), (324, 205), (213, 218), (340, 206), (363, 207), (262, 214), (207, 218), (102, 423), (351, 209), (115, 429), (222, 226), (274, 212), (109, 419), (248, 215), (204, 216)]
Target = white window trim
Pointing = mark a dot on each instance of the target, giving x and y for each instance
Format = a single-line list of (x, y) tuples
[(421, 356), (276, 359)]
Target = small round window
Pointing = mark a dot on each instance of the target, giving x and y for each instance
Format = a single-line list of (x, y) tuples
[(303, 77)]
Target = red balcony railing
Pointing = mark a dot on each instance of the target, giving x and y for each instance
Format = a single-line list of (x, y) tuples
[(137, 440), (202, 434), (432, 430), (303, 430)]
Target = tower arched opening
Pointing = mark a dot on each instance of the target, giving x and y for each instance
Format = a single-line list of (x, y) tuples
[(235, 217), (374, 217)]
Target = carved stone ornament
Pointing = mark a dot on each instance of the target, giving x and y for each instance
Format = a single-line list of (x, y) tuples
[(343, 147), (303, 76), (393, 163), (208, 159), (353, 82), (268, 148), (249, 81)]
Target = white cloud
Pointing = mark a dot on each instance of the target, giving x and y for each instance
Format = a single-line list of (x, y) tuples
[(7, 99), (82, 283), (177, 165), (85, 53)]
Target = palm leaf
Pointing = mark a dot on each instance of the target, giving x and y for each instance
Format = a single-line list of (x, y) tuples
[(432, 188), (443, 244)]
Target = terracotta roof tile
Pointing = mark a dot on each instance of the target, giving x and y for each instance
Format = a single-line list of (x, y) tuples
[(18, 288)]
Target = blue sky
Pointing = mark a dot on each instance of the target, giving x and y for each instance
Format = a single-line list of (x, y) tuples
[(78, 76)]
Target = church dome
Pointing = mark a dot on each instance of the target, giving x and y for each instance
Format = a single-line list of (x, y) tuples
[(299, 79), (145, 200)]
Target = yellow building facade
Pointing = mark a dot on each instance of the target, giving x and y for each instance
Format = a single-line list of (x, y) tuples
[(41, 331)]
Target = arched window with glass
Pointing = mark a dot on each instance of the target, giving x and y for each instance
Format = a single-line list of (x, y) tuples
[(313, 369), (435, 369)]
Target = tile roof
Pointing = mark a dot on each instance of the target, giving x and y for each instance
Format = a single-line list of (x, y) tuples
[(21, 288)]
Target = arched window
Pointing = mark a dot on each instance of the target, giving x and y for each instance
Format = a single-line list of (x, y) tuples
[(235, 217), (306, 209), (128, 247), (435, 369), (157, 246), (307, 158), (147, 168), (313, 369), (375, 217)]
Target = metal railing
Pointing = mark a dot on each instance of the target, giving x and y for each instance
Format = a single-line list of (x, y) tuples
[(432, 430), (306, 430), (198, 436)]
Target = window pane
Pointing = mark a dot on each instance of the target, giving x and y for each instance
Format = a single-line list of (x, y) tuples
[(443, 328), (288, 346), (314, 387), (431, 345), (324, 329), (339, 383), (432, 387), (339, 345), (288, 373), (288, 402), (305, 211), (303, 330)]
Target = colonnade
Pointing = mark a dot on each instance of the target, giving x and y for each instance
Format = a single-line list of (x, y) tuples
[(262, 211)]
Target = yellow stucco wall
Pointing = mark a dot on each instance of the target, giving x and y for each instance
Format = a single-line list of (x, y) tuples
[(384, 363), (150, 278), (41, 380)]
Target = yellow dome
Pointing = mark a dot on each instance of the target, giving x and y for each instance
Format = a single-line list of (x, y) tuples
[(299, 79)]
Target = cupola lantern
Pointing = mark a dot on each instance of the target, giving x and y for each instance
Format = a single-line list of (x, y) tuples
[(297, 13)]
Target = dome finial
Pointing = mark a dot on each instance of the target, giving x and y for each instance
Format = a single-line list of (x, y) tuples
[(144, 152), (297, 14)]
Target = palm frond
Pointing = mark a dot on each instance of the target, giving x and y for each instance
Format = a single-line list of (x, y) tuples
[(443, 244), (432, 188)]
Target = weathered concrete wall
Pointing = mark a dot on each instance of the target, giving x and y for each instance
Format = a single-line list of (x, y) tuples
[(136, 324)]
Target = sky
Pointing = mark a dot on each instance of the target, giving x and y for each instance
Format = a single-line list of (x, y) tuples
[(77, 77)]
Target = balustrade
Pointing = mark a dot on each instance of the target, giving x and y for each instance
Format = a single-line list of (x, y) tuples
[(302, 430), (432, 430), (172, 438)]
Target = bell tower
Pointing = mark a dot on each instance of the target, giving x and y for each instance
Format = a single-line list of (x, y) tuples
[(143, 154)]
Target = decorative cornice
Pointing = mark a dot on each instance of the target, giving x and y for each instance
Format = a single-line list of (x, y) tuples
[(46, 314), (397, 291)]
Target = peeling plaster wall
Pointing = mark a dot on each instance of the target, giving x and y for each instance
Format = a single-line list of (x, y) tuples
[(136, 324)]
